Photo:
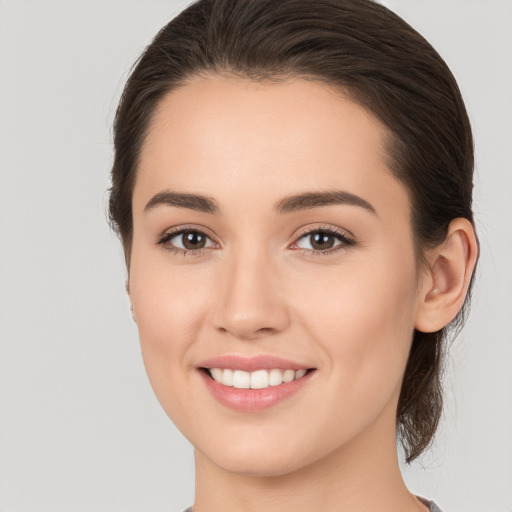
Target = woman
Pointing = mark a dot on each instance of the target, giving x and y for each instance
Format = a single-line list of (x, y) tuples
[(292, 186)]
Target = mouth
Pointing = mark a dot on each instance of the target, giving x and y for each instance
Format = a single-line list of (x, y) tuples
[(251, 384), (259, 379), (254, 383)]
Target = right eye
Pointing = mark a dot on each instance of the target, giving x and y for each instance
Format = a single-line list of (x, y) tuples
[(186, 241)]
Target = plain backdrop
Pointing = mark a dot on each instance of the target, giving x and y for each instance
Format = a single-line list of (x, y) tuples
[(80, 429)]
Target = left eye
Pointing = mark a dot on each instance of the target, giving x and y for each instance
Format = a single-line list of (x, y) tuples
[(321, 240), (189, 240)]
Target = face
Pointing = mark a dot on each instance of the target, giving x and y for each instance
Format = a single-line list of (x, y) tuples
[(273, 277)]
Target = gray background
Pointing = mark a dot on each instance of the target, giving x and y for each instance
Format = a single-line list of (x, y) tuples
[(80, 429)]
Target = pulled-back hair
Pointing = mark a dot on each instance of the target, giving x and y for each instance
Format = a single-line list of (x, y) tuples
[(371, 56)]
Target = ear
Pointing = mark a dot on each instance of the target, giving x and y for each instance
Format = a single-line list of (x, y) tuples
[(444, 286)]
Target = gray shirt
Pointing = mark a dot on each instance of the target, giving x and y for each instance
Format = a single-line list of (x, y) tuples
[(432, 506)]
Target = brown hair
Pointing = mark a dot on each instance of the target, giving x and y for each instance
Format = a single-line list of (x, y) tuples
[(368, 53)]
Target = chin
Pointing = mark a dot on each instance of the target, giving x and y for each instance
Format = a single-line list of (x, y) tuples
[(259, 458), (262, 466)]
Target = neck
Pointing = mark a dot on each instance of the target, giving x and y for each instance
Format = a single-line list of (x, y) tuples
[(362, 477)]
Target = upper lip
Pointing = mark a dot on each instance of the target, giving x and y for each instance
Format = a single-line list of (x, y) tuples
[(250, 364)]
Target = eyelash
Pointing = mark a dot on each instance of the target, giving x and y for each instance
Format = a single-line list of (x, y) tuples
[(166, 237), (346, 241)]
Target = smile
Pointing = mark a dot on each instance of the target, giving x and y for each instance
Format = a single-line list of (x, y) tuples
[(259, 379), (254, 383)]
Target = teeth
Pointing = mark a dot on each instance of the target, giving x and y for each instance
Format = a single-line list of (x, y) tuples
[(259, 379), (241, 380), (227, 377), (288, 375), (217, 374), (275, 377)]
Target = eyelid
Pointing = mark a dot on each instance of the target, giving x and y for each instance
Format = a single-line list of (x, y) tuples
[(336, 230), (347, 239), (168, 234)]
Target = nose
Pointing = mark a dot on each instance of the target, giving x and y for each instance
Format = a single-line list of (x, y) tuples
[(252, 298)]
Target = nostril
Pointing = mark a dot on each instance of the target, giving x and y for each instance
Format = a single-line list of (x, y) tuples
[(265, 330)]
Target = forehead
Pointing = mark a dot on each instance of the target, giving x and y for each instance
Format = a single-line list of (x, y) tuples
[(229, 136)]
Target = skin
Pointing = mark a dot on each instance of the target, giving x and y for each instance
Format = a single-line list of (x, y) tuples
[(259, 287)]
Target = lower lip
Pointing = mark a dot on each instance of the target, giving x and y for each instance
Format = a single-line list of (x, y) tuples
[(249, 400)]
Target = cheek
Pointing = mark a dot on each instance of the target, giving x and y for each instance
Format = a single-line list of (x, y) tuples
[(168, 305), (167, 298), (362, 316)]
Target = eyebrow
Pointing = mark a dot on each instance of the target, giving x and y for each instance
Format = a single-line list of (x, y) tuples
[(309, 200), (183, 200), (304, 201)]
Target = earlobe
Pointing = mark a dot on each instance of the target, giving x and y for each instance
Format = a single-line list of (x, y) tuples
[(446, 283), (133, 314), (127, 286)]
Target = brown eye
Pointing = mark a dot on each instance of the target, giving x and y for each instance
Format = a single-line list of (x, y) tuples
[(323, 240), (193, 240), (187, 240)]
